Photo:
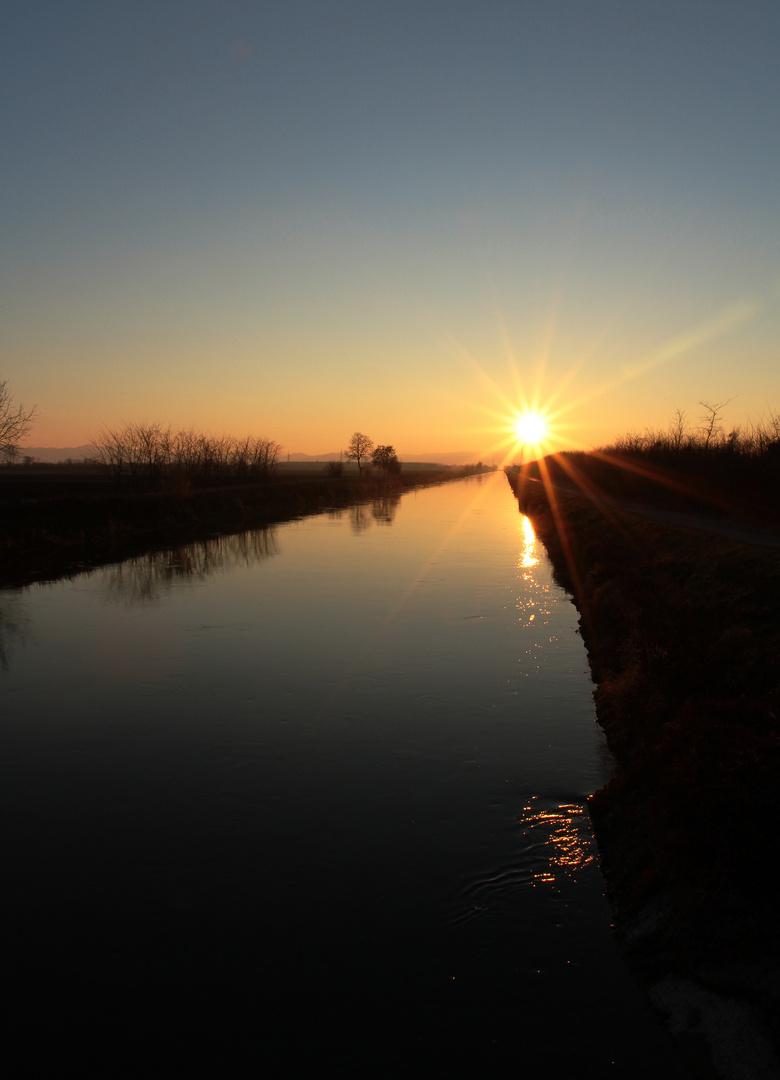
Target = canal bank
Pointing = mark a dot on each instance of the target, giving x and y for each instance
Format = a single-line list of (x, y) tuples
[(683, 640), (59, 523)]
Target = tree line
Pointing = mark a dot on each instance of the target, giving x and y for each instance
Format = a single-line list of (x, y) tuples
[(727, 465), (150, 452), (710, 437)]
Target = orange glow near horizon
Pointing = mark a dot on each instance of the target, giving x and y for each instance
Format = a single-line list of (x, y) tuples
[(542, 406), (539, 399)]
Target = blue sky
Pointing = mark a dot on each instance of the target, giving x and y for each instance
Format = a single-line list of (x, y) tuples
[(306, 218)]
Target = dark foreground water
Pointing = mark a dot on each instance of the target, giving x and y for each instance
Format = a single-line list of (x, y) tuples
[(313, 796)]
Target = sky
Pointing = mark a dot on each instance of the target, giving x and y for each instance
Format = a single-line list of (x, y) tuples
[(303, 218)]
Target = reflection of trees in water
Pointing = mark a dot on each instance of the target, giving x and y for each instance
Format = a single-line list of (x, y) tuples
[(379, 511), (359, 517), (146, 577), (384, 510), (13, 622)]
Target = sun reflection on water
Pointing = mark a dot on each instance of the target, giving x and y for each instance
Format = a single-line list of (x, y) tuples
[(555, 845), (562, 837), (528, 554), (532, 603)]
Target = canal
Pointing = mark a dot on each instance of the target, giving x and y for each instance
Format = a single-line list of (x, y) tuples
[(315, 796)]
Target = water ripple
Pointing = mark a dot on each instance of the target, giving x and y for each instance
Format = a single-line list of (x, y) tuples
[(554, 843)]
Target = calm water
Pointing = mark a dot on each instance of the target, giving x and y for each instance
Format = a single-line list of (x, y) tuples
[(316, 795)]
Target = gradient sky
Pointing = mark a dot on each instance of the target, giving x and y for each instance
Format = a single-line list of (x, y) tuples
[(303, 218)]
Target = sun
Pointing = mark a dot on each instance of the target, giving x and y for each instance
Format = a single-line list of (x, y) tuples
[(531, 428)]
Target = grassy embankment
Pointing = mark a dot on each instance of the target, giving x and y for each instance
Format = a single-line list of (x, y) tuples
[(682, 629), (63, 519)]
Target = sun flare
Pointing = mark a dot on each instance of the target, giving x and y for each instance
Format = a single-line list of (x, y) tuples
[(531, 429)]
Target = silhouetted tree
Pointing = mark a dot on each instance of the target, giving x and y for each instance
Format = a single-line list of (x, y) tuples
[(358, 449), (711, 421), (265, 454), (112, 449), (386, 458), (677, 429), (14, 423), (154, 452)]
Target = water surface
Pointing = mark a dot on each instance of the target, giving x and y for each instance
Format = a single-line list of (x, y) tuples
[(317, 794)]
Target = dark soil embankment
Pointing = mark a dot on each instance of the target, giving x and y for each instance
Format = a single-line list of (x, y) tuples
[(683, 635), (709, 482), (48, 529)]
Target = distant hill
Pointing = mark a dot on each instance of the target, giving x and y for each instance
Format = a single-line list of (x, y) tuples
[(53, 454), (333, 456), (456, 457), (460, 457)]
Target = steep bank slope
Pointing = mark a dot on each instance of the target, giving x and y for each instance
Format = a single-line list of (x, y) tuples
[(683, 635)]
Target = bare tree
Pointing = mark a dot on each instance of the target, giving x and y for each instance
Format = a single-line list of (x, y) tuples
[(154, 454), (711, 421), (15, 423), (677, 429), (112, 449), (185, 451), (153, 446), (358, 449), (267, 454)]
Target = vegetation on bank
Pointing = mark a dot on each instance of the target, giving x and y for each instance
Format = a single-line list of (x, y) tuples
[(682, 629), (705, 468), (155, 456), (147, 485), (60, 519), (710, 437), (15, 423)]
